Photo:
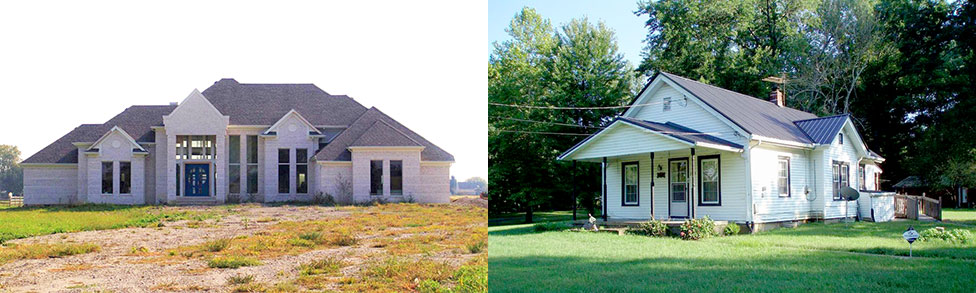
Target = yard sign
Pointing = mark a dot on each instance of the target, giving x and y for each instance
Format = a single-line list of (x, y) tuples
[(910, 235)]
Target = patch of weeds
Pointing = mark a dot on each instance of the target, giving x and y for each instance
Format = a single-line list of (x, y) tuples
[(326, 266), (343, 239), (301, 242), (431, 286), (240, 279), (394, 274), (13, 252), (232, 262), (472, 277), (216, 245), (138, 250), (477, 247), (311, 236)]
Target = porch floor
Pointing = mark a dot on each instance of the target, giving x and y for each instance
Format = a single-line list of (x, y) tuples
[(635, 223)]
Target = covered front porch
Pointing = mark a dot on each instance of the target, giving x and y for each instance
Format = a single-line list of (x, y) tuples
[(664, 171)]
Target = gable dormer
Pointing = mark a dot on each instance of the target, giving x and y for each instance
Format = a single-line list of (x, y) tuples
[(115, 143), (194, 116), (293, 125)]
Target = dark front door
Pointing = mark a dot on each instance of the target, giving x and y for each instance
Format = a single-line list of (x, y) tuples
[(197, 179)]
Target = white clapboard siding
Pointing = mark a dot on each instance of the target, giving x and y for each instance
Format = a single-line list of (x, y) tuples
[(689, 114), (625, 139), (770, 206), (846, 153)]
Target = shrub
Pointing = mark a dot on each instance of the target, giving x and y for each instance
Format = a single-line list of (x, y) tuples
[(325, 199), (957, 236), (731, 229), (549, 226), (240, 280), (216, 245), (651, 228), (695, 229), (232, 262)]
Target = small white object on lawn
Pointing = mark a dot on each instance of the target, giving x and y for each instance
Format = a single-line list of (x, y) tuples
[(910, 235)]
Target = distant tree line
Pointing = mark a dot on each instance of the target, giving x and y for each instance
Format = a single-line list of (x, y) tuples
[(903, 69), (11, 175)]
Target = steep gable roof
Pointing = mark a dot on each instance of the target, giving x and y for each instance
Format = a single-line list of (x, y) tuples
[(823, 130), (681, 132), (264, 104), (338, 150), (382, 134), (62, 151), (756, 116)]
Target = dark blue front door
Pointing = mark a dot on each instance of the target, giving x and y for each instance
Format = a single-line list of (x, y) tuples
[(197, 179)]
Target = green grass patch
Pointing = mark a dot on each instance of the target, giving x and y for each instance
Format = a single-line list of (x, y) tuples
[(232, 262), (13, 252), (965, 216), (537, 217), (25, 222), (814, 257)]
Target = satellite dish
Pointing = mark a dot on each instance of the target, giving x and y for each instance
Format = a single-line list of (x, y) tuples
[(849, 193)]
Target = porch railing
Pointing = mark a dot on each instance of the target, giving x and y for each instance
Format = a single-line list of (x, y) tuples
[(911, 206)]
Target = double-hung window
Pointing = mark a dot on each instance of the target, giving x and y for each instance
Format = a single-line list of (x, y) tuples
[(783, 176), (283, 170), (710, 187), (234, 164), (396, 177), (301, 171), (840, 178), (376, 177), (862, 178), (630, 180), (252, 164)]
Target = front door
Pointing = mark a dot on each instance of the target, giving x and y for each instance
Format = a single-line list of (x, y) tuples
[(197, 180), (678, 187)]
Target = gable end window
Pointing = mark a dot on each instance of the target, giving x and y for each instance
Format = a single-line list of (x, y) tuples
[(840, 138), (709, 186), (667, 104), (630, 178), (783, 176)]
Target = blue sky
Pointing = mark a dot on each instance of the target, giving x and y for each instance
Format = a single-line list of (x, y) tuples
[(618, 15)]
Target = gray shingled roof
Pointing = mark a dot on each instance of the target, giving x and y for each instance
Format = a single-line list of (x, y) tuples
[(756, 116), (264, 104), (680, 132), (337, 149), (822, 130), (137, 121), (382, 134)]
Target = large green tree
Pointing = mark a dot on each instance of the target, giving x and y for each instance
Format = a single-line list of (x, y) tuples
[(578, 65), (11, 175)]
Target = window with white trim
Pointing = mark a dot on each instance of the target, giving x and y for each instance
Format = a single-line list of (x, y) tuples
[(630, 181), (710, 174), (840, 178), (783, 176)]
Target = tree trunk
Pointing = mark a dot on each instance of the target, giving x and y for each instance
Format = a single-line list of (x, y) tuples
[(528, 214)]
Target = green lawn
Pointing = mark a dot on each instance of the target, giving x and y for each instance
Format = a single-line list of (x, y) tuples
[(23, 222), (813, 257), (537, 217), (965, 216)]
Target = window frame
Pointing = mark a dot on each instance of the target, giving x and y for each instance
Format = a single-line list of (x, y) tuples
[(251, 165), (789, 176), (623, 184), (862, 177), (399, 191), (125, 178), (301, 160), (701, 190), (838, 183), (111, 177), (840, 138), (231, 164), (378, 191), (287, 168), (666, 104)]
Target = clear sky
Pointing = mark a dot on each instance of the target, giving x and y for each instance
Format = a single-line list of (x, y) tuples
[(617, 14), (72, 62)]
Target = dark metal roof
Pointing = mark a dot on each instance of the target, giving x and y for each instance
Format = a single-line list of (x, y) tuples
[(755, 116), (337, 149), (822, 130), (264, 104), (680, 132)]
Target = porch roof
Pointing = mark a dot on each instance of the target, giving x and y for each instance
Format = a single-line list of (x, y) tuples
[(671, 135)]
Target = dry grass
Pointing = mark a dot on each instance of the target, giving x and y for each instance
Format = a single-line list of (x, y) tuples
[(13, 252), (74, 268)]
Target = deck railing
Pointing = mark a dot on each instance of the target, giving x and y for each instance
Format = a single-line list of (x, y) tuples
[(911, 206), (14, 201)]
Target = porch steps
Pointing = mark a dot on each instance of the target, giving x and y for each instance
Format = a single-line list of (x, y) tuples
[(194, 201)]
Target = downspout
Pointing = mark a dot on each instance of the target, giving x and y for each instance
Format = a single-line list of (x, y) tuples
[(750, 207)]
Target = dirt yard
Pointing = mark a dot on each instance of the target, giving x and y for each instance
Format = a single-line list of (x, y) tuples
[(396, 247)]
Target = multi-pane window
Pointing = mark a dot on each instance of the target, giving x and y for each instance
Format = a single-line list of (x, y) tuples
[(301, 170), (107, 178), (710, 177), (783, 176), (376, 177), (125, 177), (178, 179), (630, 182), (840, 178), (234, 161), (283, 170), (861, 178), (396, 177), (252, 164), (667, 104), (196, 147)]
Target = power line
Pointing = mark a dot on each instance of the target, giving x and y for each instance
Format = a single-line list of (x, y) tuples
[(572, 108), (543, 132), (553, 123)]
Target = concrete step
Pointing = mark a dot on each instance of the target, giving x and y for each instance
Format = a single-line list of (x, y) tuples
[(194, 201)]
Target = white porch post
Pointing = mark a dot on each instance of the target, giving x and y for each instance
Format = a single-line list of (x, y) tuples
[(652, 186), (694, 179), (604, 195)]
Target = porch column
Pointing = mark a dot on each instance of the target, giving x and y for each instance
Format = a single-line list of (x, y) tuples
[(694, 182), (652, 186), (604, 196), (574, 189)]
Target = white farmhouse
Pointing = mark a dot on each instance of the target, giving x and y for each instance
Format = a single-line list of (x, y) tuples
[(685, 149)]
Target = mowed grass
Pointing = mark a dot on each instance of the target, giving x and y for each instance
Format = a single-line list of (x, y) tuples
[(22, 222), (538, 217), (813, 257), (965, 216)]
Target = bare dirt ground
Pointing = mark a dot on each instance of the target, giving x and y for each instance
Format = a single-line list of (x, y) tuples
[(122, 264)]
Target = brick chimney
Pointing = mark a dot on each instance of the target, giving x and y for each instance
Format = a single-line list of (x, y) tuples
[(777, 97)]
